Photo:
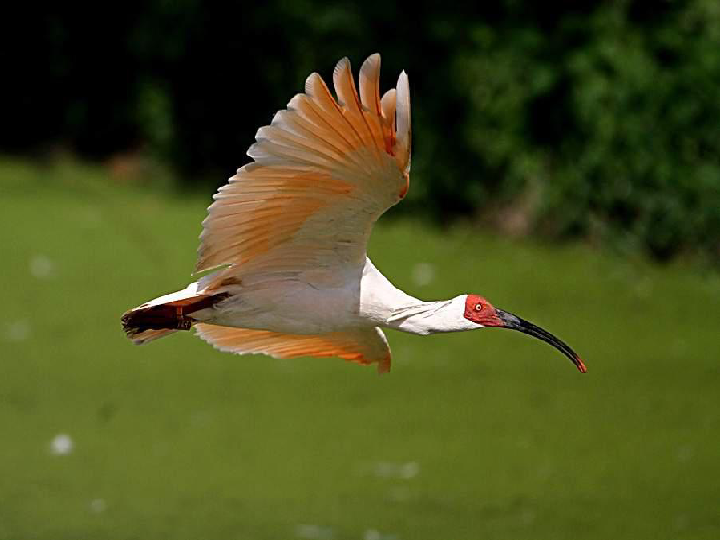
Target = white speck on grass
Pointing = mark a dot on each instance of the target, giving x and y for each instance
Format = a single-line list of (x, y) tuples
[(42, 267), (98, 505), (313, 532), (17, 331), (62, 444), (423, 274), (685, 453), (409, 470), (527, 517), (405, 471), (374, 534)]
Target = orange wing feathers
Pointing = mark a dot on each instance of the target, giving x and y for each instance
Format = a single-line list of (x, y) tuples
[(361, 345), (321, 163)]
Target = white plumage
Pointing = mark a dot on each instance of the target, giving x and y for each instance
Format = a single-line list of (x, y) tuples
[(286, 238)]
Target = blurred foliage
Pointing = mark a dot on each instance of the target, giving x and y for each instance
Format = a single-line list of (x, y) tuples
[(598, 120)]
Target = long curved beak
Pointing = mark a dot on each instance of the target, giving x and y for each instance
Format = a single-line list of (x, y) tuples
[(521, 325)]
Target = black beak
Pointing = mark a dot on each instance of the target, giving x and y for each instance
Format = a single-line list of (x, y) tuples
[(516, 323)]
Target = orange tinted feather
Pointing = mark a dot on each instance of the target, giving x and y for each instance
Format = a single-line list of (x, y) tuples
[(362, 345), (350, 103), (370, 84), (370, 98), (318, 90)]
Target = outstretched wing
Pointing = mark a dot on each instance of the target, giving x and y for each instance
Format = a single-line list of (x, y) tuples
[(324, 170), (360, 345)]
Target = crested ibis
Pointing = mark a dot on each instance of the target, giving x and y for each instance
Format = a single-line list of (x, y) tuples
[(285, 240)]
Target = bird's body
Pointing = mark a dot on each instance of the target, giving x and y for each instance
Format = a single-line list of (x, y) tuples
[(285, 241), (317, 304)]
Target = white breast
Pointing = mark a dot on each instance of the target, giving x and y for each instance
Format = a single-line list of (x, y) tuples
[(311, 302)]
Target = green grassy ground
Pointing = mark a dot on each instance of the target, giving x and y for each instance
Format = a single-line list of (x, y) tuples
[(487, 434)]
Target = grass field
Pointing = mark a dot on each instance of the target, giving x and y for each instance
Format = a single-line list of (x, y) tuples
[(480, 435)]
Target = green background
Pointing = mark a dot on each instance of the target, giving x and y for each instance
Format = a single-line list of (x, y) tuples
[(485, 434)]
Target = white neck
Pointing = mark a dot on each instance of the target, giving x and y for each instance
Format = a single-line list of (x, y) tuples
[(385, 305), (431, 317)]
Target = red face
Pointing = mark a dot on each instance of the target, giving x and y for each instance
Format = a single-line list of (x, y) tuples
[(480, 311)]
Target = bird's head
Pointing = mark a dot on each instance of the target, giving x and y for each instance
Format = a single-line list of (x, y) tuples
[(482, 313)]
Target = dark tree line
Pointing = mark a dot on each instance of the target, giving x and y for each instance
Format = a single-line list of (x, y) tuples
[(560, 118)]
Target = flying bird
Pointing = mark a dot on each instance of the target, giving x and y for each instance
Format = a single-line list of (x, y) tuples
[(285, 240)]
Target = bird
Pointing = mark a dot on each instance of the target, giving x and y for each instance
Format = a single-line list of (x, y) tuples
[(283, 259)]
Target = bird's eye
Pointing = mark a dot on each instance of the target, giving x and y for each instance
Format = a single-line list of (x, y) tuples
[(478, 307)]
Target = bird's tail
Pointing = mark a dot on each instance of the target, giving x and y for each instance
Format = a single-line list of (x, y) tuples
[(167, 314)]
